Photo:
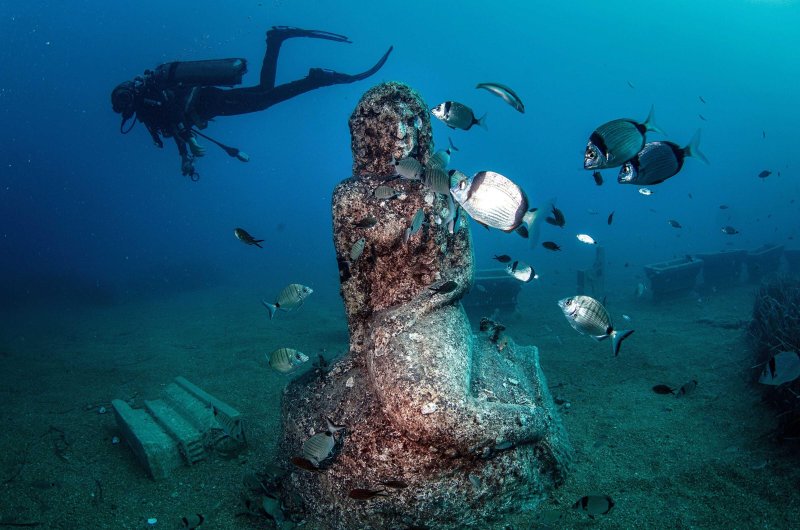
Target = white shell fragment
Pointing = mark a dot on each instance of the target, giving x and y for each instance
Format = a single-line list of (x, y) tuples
[(429, 408), (350, 382)]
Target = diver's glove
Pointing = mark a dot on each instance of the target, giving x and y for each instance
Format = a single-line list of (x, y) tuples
[(197, 149)]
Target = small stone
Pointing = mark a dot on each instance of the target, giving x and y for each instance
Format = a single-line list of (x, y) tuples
[(514, 382), (152, 521), (429, 408), (429, 198), (350, 382), (101, 410), (115, 440)]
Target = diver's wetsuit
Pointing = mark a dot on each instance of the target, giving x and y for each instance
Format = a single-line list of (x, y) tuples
[(174, 112)]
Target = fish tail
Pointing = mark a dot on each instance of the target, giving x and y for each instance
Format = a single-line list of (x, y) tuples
[(481, 122), (453, 147), (257, 241), (650, 122), (270, 307), (693, 149), (617, 336)]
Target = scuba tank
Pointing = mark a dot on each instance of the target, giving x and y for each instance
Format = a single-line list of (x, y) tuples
[(213, 72)]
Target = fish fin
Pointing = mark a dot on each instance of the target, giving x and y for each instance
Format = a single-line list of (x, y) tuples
[(271, 308), (257, 241), (483, 225), (533, 221), (453, 147), (481, 122), (693, 149), (617, 337), (650, 123)]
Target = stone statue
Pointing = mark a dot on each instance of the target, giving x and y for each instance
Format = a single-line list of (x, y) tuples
[(447, 428)]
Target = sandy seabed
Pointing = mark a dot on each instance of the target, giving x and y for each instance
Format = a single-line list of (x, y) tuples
[(702, 461)]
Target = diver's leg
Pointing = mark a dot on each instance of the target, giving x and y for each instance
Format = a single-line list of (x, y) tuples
[(275, 38), (212, 101)]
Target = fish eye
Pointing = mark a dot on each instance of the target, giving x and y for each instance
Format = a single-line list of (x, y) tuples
[(462, 184), (297, 356)]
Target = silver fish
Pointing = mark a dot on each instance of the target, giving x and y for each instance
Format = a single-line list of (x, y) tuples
[(586, 238), (436, 179), (494, 200), (416, 224), (457, 115), (508, 95), (589, 317), (521, 271), (357, 249), (408, 168), (291, 297), (658, 161), (646, 191), (781, 368), (614, 143), (385, 192), (285, 360), (441, 158), (320, 446)]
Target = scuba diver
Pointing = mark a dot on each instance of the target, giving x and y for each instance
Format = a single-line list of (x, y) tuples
[(178, 98)]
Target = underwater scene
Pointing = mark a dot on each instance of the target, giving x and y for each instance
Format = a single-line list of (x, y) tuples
[(399, 265)]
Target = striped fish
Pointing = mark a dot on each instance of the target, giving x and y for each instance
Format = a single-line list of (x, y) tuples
[(495, 201), (658, 161), (441, 158), (408, 168), (436, 179), (614, 143), (589, 317), (357, 249), (507, 95), (385, 192), (286, 360), (320, 447), (291, 297)]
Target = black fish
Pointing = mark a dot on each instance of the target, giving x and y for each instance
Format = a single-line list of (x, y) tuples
[(549, 245), (363, 494), (701, 99), (658, 161), (674, 224), (503, 258), (702, 117), (729, 230), (690, 195), (764, 174), (598, 178), (368, 222), (687, 388), (763, 134), (615, 142), (557, 219), (394, 483), (593, 505), (242, 235), (447, 287), (610, 218), (663, 389), (723, 206), (631, 84)]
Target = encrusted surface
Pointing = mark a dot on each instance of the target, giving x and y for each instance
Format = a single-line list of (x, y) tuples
[(466, 422)]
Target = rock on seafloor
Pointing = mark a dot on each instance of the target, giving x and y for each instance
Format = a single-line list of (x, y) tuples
[(422, 398)]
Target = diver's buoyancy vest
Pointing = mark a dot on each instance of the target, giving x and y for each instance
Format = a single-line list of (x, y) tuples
[(213, 72)]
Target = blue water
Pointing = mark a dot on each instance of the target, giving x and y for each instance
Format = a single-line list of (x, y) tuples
[(82, 205)]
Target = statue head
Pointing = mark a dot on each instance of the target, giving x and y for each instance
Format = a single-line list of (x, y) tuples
[(390, 121)]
